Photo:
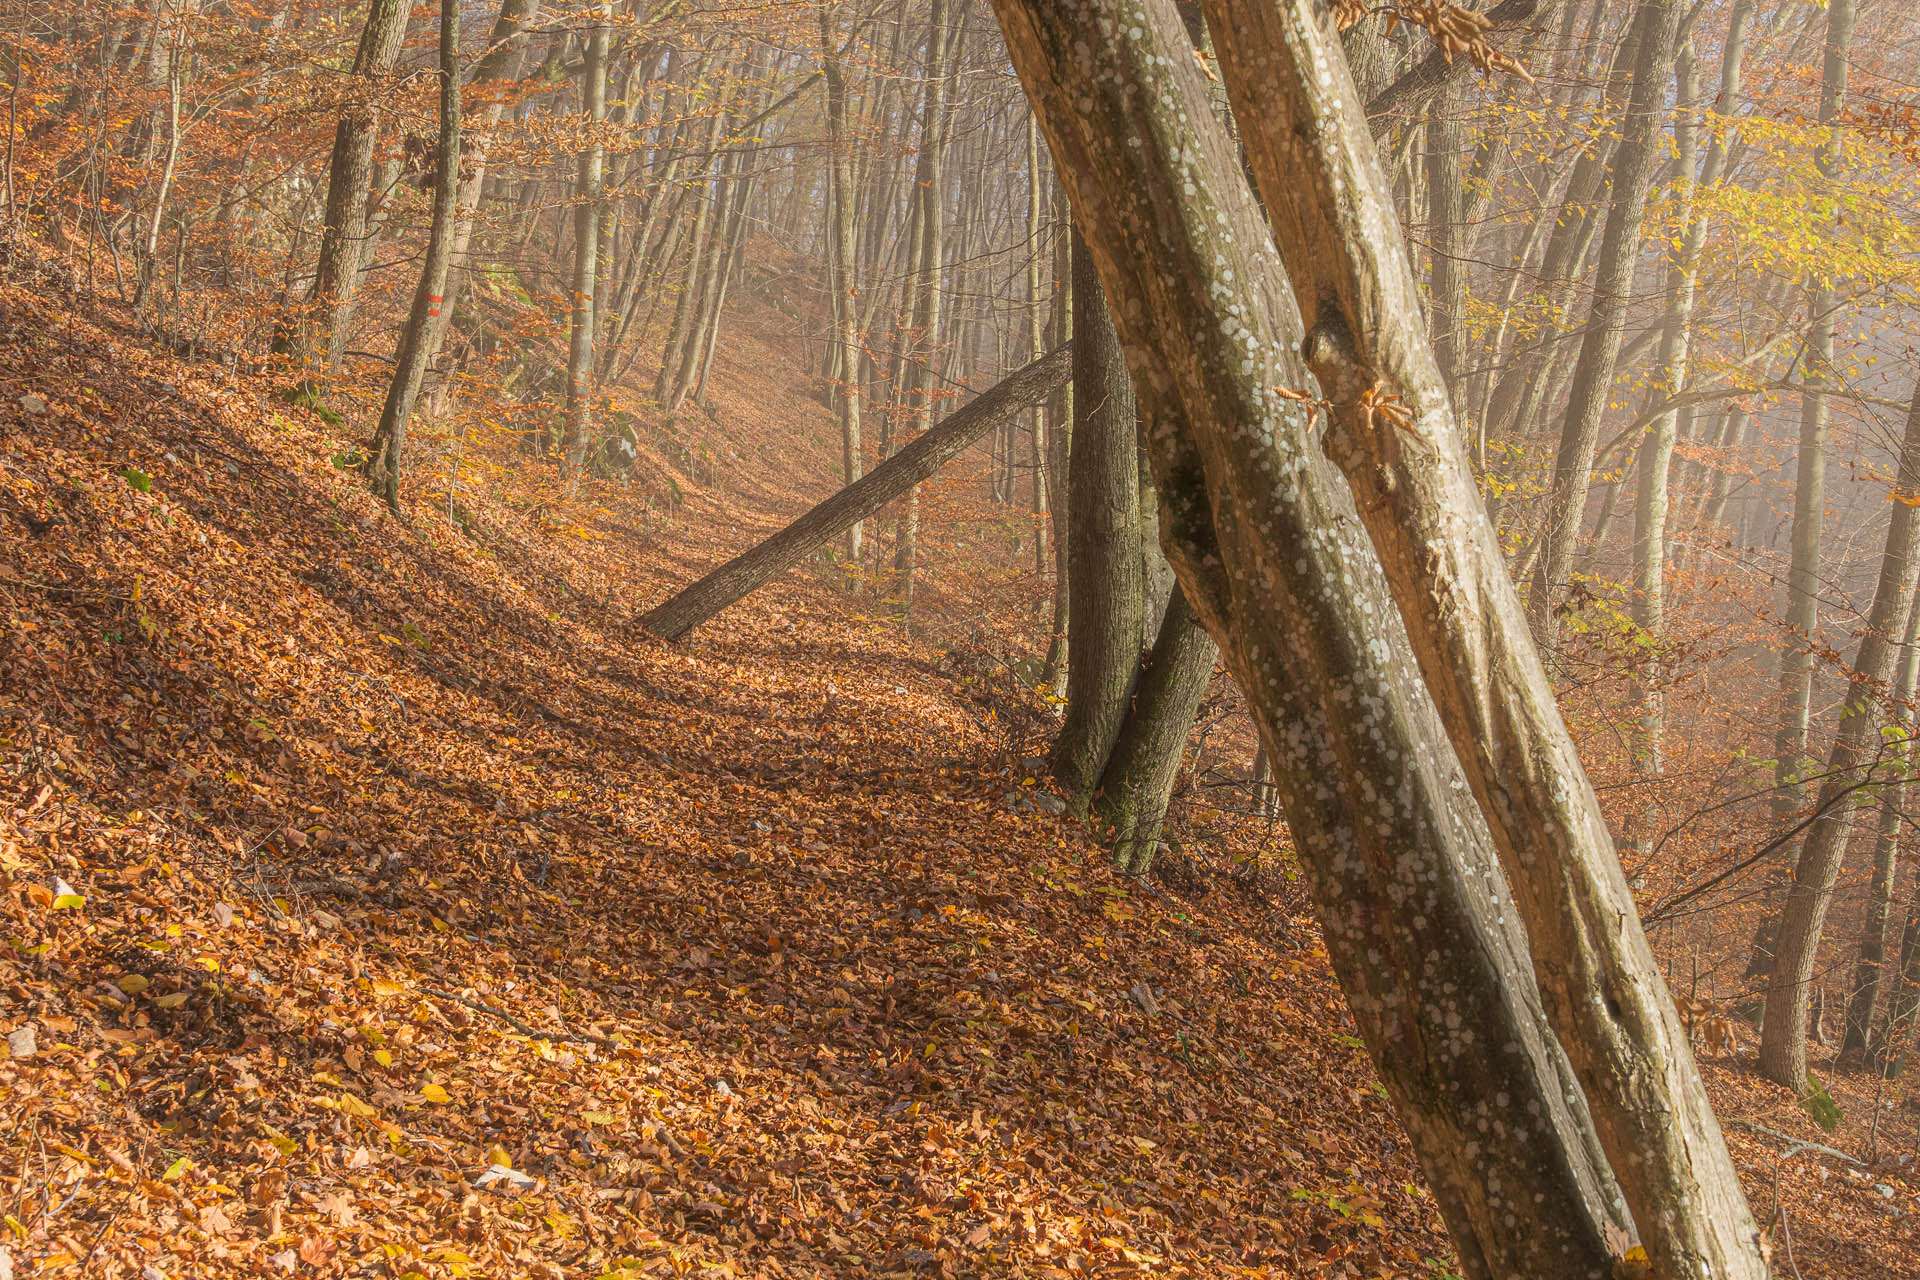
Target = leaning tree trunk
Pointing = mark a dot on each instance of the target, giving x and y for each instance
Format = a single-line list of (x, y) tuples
[(1104, 611), (1397, 857), (1634, 162), (1783, 1034), (350, 169), (1863, 1007), (410, 364), (1891, 1038), (748, 571), (1396, 439), (1131, 802)]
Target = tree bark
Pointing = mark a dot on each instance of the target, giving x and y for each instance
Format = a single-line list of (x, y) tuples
[(586, 243), (846, 314), (1863, 1007), (1892, 1037), (1103, 477), (1060, 449), (390, 437), (1397, 857), (496, 65), (1394, 436), (1783, 1034), (1648, 602), (926, 287), (350, 167), (751, 569), (1131, 802), (1634, 162), (1809, 505)]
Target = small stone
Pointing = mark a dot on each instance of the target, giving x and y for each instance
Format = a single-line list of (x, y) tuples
[(1051, 803), (33, 404), (232, 469), (21, 1044), (1885, 1190)]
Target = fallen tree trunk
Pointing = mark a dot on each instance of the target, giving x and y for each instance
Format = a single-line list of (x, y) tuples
[(750, 570)]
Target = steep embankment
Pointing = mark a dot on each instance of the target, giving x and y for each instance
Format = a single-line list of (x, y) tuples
[(344, 859)]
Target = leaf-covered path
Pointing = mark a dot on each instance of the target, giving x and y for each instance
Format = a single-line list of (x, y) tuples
[(378, 902)]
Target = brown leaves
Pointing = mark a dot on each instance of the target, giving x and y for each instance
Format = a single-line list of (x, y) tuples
[(1455, 28)]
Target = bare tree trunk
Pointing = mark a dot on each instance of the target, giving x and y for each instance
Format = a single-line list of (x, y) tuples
[(1892, 1037), (496, 65), (351, 166), (1036, 340), (390, 437), (1656, 451), (1809, 516), (586, 244), (750, 570), (1783, 1034), (1135, 786), (1449, 235), (1634, 162), (846, 313), (1103, 477), (1272, 559), (1060, 449), (927, 287), (1394, 436), (1863, 1008)]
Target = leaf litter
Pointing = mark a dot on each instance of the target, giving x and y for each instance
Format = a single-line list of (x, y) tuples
[(378, 903)]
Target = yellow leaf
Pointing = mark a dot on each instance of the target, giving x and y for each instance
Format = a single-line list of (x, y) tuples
[(382, 1057), (134, 983), (388, 987), (353, 1106), (173, 1001), (599, 1117), (439, 925), (69, 902), (434, 1093), (177, 1168)]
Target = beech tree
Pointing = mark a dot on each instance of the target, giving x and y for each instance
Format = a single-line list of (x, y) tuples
[(349, 169), (1783, 1041), (1254, 527), (410, 365)]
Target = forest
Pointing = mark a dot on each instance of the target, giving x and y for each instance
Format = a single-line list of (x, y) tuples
[(955, 638)]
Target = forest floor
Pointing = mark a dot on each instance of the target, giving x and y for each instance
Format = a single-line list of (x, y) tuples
[(374, 901)]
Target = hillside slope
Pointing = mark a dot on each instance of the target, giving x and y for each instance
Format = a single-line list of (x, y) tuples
[(379, 903)]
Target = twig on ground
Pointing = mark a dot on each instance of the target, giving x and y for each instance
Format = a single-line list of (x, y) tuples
[(581, 1037), (1795, 1147)]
